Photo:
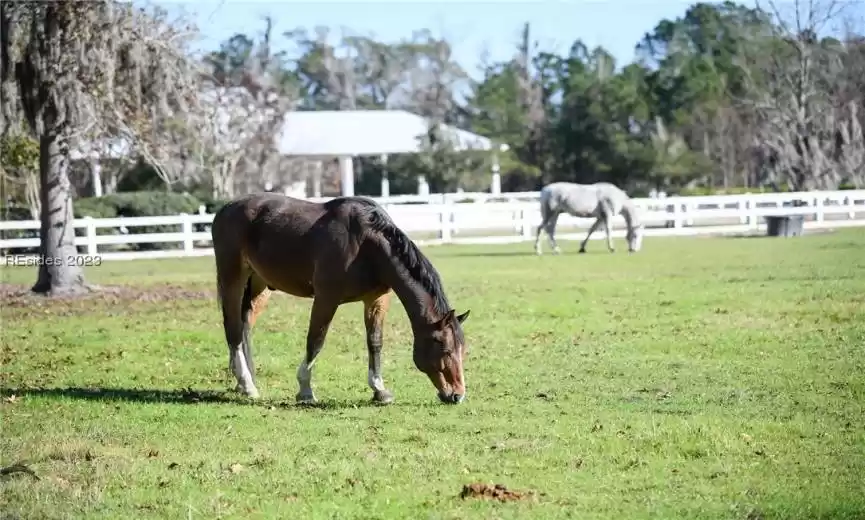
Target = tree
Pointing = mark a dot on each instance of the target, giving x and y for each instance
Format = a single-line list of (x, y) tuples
[(696, 80), (89, 71), (511, 104), (807, 129), (245, 98)]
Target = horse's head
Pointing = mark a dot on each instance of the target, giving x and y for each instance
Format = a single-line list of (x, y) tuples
[(439, 351), (635, 238)]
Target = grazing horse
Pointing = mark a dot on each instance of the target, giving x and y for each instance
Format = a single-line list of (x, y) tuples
[(344, 250), (601, 200)]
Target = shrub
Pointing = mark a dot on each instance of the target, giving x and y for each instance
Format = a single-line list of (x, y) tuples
[(138, 204), (152, 203), (212, 205), (734, 190), (94, 207), (17, 213)]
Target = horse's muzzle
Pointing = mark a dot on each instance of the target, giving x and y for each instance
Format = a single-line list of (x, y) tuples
[(451, 398)]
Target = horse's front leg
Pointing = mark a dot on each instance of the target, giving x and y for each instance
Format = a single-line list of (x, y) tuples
[(374, 310), (592, 229), (609, 235), (551, 232), (323, 309)]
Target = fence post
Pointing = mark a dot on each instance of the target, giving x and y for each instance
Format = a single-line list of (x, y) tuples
[(527, 225), (818, 209), (689, 213), (445, 219), (753, 220), (848, 201), (744, 204), (90, 229), (677, 213), (188, 244)]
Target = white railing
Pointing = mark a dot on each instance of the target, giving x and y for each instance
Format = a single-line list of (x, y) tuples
[(487, 223)]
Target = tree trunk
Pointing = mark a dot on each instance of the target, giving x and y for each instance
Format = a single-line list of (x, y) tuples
[(112, 181), (59, 274)]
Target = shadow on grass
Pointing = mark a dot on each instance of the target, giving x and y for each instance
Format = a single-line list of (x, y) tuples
[(141, 395), (184, 396)]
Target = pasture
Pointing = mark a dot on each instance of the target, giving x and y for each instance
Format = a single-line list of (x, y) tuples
[(699, 378)]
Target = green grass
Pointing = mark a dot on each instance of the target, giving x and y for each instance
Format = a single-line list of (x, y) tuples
[(701, 378)]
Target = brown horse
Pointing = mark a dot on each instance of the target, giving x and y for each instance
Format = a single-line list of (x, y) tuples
[(344, 250)]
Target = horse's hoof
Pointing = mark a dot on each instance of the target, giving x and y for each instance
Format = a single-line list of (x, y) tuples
[(252, 393), (582, 251), (305, 399), (382, 397)]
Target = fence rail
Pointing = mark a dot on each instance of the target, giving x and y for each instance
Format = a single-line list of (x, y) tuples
[(503, 218)]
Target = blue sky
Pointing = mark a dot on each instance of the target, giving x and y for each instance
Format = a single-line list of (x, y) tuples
[(472, 26)]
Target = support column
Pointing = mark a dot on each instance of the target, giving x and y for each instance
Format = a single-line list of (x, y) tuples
[(385, 182), (96, 175), (496, 184), (346, 169), (317, 168), (422, 186)]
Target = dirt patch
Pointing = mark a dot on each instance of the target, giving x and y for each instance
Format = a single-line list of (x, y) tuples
[(20, 298), (493, 492)]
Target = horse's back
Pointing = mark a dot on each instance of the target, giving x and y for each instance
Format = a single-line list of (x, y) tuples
[(577, 199), (614, 196), (611, 190), (287, 240), (272, 234), (252, 207)]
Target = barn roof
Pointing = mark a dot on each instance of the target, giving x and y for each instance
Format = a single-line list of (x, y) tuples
[(363, 132)]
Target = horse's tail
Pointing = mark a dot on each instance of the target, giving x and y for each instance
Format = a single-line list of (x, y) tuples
[(217, 236), (546, 197), (230, 273)]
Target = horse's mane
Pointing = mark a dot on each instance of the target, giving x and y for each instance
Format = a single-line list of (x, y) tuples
[(405, 250)]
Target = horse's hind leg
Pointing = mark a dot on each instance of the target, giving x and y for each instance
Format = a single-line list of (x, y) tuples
[(374, 311), (542, 227), (323, 309), (233, 281), (255, 298), (551, 232)]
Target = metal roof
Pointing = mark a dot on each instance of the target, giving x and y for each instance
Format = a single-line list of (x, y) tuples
[(331, 133), (363, 132)]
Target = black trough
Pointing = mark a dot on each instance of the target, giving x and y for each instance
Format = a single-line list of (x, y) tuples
[(786, 225)]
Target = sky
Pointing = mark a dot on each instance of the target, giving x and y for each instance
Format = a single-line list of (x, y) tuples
[(473, 27)]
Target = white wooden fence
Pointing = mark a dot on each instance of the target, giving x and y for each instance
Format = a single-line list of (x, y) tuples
[(487, 219)]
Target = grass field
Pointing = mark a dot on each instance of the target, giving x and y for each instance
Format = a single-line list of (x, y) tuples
[(700, 378)]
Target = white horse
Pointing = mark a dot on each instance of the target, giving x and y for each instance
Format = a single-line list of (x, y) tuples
[(601, 200)]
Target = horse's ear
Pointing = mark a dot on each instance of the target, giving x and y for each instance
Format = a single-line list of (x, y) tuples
[(462, 317), (448, 318)]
